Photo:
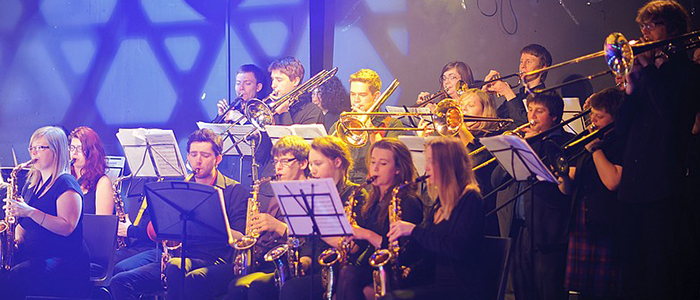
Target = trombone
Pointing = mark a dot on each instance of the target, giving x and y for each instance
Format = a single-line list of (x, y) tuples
[(461, 88), (345, 126), (619, 56)]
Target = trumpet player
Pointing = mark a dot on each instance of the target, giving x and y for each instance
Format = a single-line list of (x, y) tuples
[(329, 157), (286, 74), (390, 161), (49, 228), (365, 89), (204, 155), (88, 165), (514, 106), (250, 80), (454, 231)]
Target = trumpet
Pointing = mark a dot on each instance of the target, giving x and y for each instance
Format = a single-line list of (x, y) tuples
[(9, 223), (345, 124)]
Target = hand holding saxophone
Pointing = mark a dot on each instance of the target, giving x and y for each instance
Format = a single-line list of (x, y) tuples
[(398, 229), (266, 223), (373, 238), (18, 208)]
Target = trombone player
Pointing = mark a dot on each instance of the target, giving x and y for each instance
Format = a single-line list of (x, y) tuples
[(286, 74), (365, 87)]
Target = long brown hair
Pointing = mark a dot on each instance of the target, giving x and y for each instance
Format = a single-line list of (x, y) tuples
[(453, 169), (94, 153), (407, 172), (333, 147)]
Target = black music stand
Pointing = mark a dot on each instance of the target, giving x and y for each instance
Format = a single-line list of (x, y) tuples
[(187, 211), (312, 208)]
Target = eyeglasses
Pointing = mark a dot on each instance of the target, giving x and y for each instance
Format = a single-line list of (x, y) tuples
[(72, 148), (38, 148), (649, 26), (284, 161), (451, 78)]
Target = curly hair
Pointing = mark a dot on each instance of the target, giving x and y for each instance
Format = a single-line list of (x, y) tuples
[(333, 96), (94, 152)]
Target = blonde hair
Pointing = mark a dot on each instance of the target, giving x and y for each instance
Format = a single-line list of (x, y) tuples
[(489, 110), (369, 77), (453, 169), (58, 144)]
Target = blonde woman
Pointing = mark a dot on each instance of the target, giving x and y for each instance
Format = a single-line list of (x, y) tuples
[(52, 257)]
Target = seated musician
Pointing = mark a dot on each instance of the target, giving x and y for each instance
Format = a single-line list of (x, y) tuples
[(365, 89), (532, 57), (593, 264), (329, 157), (52, 258), (250, 81), (452, 73), (89, 168), (203, 154), (333, 99), (551, 211), (390, 160), (454, 232), (287, 73)]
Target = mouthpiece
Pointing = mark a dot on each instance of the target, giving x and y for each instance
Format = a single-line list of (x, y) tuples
[(420, 179), (72, 162), (371, 179)]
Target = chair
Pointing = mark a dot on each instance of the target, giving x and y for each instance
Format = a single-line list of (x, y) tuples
[(495, 262), (100, 235)]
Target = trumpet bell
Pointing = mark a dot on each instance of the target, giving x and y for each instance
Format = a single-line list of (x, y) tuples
[(259, 114), (618, 53), (448, 118)]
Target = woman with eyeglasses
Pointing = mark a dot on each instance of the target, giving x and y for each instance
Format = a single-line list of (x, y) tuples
[(52, 258), (452, 73), (89, 167)]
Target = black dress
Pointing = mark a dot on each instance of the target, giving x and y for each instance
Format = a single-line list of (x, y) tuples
[(49, 264), (455, 245)]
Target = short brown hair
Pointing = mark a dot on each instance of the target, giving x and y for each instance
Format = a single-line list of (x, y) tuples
[(289, 66), (608, 100), (669, 13), (333, 147), (540, 52), (552, 101), (293, 144), (206, 135), (369, 77)]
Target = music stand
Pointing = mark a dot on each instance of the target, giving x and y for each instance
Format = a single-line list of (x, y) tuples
[(234, 140), (522, 163), (160, 146), (312, 208), (187, 211)]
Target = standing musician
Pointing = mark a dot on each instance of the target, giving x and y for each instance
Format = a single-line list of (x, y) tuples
[(250, 81), (89, 167), (365, 89), (532, 57), (287, 73), (454, 232), (390, 160), (333, 99), (657, 116), (452, 73), (593, 265), (203, 154), (329, 157), (551, 213), (52, 258)]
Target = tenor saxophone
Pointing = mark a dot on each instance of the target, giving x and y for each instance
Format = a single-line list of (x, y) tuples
[(330, 258), (119, 207), (382, 257), (243, 264), (9, 223), (291, 268)]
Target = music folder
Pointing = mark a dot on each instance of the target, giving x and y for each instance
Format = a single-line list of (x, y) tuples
[(517, 158)]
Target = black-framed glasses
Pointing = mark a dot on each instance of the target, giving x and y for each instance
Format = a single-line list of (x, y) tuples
[(284, 161), (38, 148), (72, 148)]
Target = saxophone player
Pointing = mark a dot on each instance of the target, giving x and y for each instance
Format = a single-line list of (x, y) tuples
[(49, 229), (87, 156), (204, 155), (390, 160), (454, 231)]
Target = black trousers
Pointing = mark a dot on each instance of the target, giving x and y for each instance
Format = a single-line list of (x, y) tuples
[(542, 278), (300, 288)]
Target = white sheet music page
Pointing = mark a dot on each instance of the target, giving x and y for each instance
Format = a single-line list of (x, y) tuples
[(517, 157), (238, 132), (166, 152), (297, 197), (133, 143)]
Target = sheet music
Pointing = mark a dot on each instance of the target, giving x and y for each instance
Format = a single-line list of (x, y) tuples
[(416, 144), (400, 109), (238, 132), (503, 147), (164, 153), (306, 131), (572, 107), (322, 195)]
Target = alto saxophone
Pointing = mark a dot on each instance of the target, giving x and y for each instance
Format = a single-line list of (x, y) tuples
[(170, 246), (382, 257), (9, 223), (243, 264), (289, 269), (331, 257), (119, 207)]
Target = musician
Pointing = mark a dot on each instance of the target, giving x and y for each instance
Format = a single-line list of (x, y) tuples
[(593, 263), (551, 212), (659, 109), (454, 231), (452, 73), (532, 57), (250, 81), (287, 73), (89, 167), (203, 154), (365, 89), (52, 258), (329, 157), (390, 160), (696, 55), (333, 99)]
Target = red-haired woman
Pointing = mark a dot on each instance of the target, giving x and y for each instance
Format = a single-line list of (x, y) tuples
[(88, 166)]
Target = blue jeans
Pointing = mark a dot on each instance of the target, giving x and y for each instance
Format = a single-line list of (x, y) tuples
[(136, 275)]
